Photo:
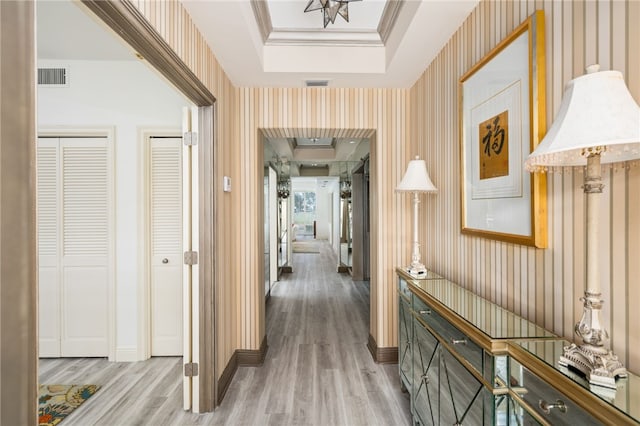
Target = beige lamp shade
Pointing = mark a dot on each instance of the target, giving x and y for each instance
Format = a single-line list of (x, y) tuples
[(416, 178), (597, 111)]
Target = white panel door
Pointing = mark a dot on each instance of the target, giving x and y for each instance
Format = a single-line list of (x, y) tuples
[(166, 245), (48, 248), (74, 246), (86, 246)]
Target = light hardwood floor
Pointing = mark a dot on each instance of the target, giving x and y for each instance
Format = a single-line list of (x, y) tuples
[(318, 370)]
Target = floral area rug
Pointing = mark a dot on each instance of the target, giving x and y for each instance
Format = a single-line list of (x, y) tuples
[(55, 402)]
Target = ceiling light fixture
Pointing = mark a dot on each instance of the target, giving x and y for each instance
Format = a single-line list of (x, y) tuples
[(330, 9)]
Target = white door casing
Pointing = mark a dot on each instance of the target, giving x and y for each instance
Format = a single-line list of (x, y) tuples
[(273, 227), (191, 279), (165, 223)]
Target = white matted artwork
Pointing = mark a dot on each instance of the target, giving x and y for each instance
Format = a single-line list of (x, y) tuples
[(508, 183), (502, 120)]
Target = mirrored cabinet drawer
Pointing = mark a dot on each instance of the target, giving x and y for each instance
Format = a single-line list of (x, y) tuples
[(517, 414), (403, 289), (456, 340), (545, 400)]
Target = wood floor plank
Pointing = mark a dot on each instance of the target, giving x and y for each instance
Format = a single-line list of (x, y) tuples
[(318, 370)]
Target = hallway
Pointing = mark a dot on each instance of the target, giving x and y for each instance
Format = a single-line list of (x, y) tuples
[(317, 371)]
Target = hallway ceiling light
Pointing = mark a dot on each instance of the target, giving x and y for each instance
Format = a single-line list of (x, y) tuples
[(330, 9)]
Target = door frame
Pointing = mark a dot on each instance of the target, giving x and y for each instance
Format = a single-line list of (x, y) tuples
[(109, 134), (144, 234), (18, 258), (130, 24)]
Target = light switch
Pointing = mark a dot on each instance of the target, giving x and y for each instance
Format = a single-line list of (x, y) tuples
[(226, 184)]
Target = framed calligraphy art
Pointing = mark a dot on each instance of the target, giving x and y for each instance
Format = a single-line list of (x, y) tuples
[(502, 100)]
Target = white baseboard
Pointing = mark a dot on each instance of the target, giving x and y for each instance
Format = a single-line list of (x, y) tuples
[(127, 354)]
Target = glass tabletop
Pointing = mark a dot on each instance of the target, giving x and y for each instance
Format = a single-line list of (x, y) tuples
[(491, 319)]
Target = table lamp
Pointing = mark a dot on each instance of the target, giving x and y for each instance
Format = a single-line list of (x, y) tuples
[(416, 180), (598, 122)]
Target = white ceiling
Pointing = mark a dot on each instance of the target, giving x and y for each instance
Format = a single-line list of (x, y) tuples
[(274, 43), (383, 45), (387, 43)]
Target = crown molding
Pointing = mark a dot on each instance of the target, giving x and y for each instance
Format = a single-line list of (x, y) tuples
[(263, 18), (389, 18)]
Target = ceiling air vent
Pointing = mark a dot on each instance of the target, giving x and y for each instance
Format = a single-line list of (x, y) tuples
[(52, 77), (316, 83)]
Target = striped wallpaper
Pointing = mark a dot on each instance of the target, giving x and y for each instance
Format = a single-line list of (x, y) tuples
[(542, 285)]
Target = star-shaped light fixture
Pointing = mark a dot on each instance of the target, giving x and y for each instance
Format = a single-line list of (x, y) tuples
[(330, 9)]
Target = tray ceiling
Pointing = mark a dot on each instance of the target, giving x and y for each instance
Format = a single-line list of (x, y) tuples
[(274, 43)]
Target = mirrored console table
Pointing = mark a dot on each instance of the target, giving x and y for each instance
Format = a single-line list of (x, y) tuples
[(465, 360)]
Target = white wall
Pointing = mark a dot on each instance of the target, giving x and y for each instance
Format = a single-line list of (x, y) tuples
[(128, 97)]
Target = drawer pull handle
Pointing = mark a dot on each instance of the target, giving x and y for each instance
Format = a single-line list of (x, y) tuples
[(546, 407), (425, 312), (459, 341)]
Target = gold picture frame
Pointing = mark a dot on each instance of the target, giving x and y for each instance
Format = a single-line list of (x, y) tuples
[(502, 119)]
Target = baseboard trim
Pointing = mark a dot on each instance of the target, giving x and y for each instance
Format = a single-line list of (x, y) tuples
[(387, 355), (226, 377), (127, 354), (252, 358), (240, 358)]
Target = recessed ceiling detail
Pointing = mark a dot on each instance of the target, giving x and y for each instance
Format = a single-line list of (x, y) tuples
[(313, 148), (279, 24), (274, 43), (314, 143)]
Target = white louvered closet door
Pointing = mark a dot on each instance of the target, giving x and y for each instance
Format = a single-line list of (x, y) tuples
[(48, 247), (166, 246), (86, 224), (77, 221)]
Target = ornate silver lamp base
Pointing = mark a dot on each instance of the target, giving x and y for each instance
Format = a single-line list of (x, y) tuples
[(417, 270), (599, 365)]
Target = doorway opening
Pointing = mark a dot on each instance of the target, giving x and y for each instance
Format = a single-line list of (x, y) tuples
[(321, 185), (153, 102)]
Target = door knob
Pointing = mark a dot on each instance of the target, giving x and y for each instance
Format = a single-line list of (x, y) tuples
[(165, 260)]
